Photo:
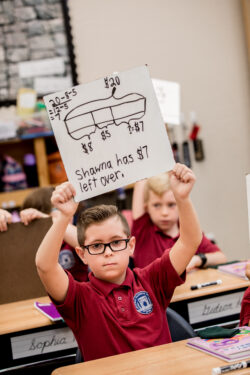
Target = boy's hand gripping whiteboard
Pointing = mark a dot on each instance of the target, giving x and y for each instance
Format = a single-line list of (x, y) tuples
[(110, 132)]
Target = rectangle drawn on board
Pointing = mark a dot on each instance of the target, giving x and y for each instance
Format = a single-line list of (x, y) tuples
[(110, 132)]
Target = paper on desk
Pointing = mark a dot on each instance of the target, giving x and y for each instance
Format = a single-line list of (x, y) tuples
[(110, 132)]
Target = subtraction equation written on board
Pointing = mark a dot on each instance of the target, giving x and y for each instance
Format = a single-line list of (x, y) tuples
[(60, 103)]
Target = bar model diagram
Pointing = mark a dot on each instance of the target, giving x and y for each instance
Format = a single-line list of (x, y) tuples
[(85, 119)]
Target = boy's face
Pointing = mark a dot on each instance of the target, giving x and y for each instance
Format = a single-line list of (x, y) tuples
[(163, 210), (109, 266)]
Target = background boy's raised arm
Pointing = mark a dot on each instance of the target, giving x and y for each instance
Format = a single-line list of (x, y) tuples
[(138, 204), (182, 180), (53, 277)]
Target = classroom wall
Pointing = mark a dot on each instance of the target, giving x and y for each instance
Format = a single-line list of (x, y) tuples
[(201, 45)]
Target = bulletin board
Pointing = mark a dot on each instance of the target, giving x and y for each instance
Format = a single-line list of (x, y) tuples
[(36, 49)]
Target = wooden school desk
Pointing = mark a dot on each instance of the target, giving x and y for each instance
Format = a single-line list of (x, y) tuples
[(28, 338), (217, 304), (169, 359)]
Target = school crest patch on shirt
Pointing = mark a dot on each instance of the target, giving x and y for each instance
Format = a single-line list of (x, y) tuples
[(143, 303), (66, 259)]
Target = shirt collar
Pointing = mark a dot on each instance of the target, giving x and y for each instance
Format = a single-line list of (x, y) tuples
[(158, 230), (105, 287)]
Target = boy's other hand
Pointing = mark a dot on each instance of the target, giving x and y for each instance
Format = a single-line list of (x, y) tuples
[(182, 180), (62, 199), (29, 214), (195, 262), (5, 219)]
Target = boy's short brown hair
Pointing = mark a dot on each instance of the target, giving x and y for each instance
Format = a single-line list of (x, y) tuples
[(39, 199), (95, 215), (157, 184)]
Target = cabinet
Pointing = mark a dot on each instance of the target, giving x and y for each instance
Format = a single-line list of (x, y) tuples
[(17, 148)]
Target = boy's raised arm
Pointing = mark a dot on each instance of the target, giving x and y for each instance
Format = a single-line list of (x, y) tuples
[(138, 207), (182, 180), (70, 235), (51, 273)]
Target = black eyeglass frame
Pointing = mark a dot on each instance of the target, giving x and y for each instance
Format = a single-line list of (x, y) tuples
[(108, 244)]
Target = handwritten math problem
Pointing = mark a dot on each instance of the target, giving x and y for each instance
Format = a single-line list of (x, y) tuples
[(107, 172), (60, 103), (111, 81), (110, 132)]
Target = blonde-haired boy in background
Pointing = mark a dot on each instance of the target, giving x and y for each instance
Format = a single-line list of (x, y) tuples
[(156, 225)]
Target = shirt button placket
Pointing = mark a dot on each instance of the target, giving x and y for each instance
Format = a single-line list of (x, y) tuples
[(121, 308)]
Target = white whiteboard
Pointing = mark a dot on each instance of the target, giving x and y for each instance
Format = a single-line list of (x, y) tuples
[(168, 96), (110, 132)]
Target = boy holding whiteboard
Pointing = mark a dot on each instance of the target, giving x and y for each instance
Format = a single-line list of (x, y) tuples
[(125, 309)]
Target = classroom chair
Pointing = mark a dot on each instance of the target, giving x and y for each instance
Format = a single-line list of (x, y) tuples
[(179, 328), (79, 357)]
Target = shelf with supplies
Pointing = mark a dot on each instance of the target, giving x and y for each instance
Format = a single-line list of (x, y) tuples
[(16, 148)]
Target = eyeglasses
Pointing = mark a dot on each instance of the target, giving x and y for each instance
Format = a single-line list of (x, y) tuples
[(99, 248)]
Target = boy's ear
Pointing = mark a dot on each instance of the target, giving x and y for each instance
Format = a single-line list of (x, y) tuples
[(132, 245), (81, 253)]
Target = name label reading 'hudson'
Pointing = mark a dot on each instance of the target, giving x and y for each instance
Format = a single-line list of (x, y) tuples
[(42, 342), (216, 307)]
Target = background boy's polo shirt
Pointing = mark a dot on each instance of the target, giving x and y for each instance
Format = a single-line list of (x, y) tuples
[(151, 242), (245, 308), (70, 261), (109, 319)]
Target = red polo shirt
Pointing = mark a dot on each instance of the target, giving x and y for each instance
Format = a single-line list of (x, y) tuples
[(245, 308), (151, 242), (109, 319)]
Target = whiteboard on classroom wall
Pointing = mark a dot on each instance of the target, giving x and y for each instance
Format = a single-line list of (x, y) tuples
[(168, 96), (110, 132), (248, 200)]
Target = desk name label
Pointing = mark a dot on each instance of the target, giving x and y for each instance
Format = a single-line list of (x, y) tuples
[(42, 342), (214, 308)]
